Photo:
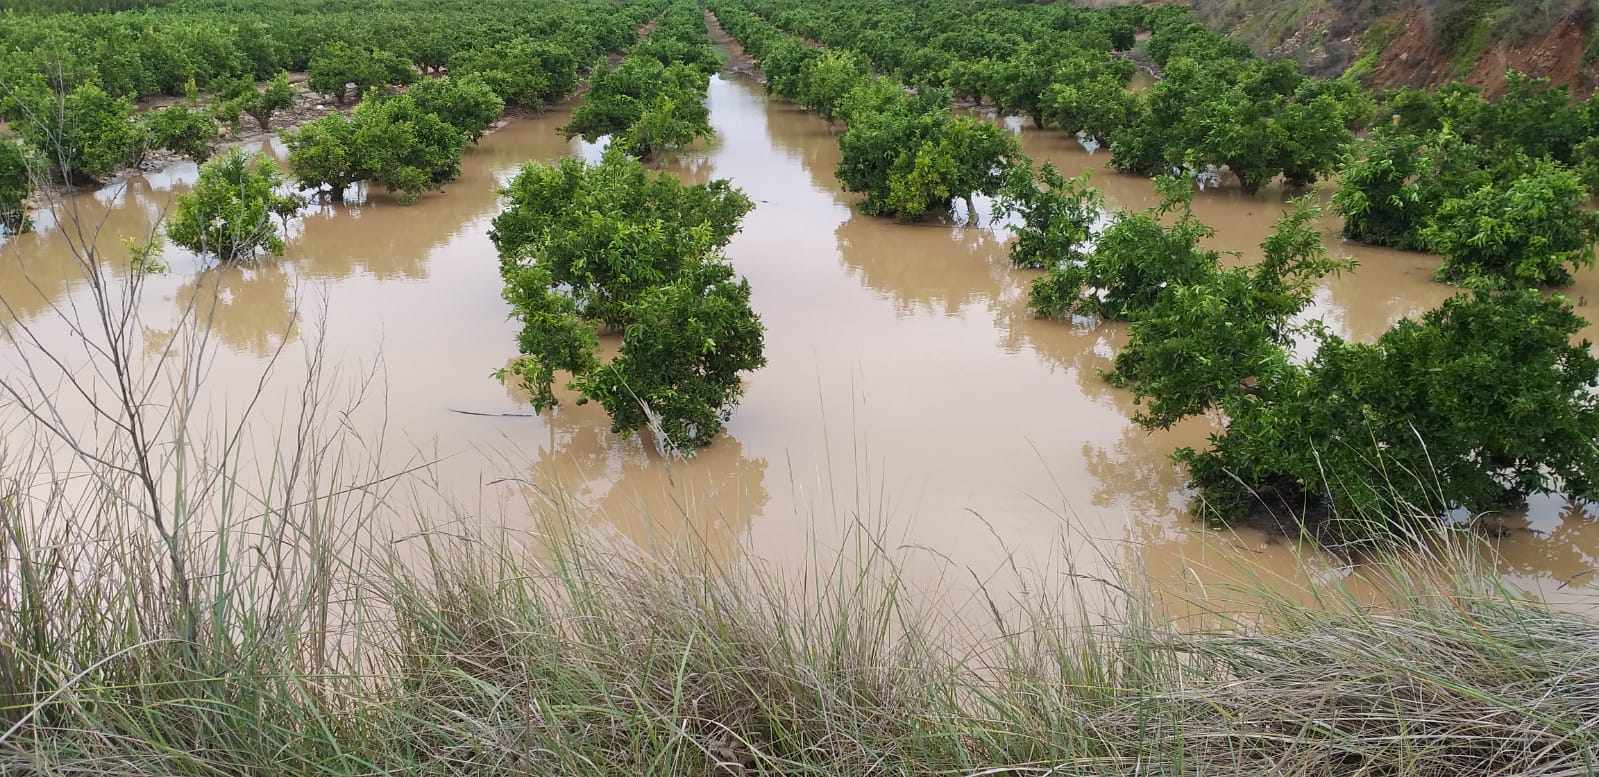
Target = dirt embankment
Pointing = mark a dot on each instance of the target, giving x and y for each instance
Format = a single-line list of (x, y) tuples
[(738, 60), (1413, 59), (308, 106), (1394, 43)]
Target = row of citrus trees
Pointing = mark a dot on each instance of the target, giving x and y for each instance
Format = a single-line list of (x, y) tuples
[(1433, 168), (1476, 405), (146, 53), (599, 248), (68, 83), (585, 248), (906, 150)]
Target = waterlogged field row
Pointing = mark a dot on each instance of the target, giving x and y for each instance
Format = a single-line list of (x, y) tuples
[(1471, 408), (857, 357)]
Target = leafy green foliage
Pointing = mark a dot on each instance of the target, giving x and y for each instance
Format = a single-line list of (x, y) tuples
[(827, 79), (1586, 161), (1531, 118), (681, 357), (229, 212), (1095, 107), (1259, 120), (1019, 83), (522, 72), (619, 99), (913, 156), (16, 185), (84, 135), (609, 246), (323, 154), (654, 100), (969, 79), (162, 50), (1222, 333), (406, 149), (1132, 263), (466, 103), (1191, 40), (782, 62), (1058, 216), (393, 141), (279, 94), (1393, 183), (182, 131), (334, 66), (1530, 231), (610, 231), (1482, 402)]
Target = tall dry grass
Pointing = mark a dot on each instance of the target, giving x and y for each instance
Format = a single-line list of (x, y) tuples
[(480, 655)]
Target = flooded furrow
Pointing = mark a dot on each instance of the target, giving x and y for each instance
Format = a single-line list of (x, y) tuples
[(908, 389)]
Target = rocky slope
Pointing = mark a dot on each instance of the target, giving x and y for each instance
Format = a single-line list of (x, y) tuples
[(1421, 42)]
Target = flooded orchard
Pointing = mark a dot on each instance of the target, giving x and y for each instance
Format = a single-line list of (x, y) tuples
[(908, 389)]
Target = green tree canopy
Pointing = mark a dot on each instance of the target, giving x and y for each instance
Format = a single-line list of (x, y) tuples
[(323, 155), (522, 71), (16, 185), (681, 358), (466, 103), (181, 131), (229, 213), (334, 66), (825, 80), (1477, 405), (1531, 231), (1058, 216), (607, 246), (620, 98), (1222, 333), (408, 150), (1391, 185), (278, 95), (85, 135), (913, 156), (1133, 261)]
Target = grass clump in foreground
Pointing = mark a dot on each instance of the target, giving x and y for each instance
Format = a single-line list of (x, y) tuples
[(299, 654)]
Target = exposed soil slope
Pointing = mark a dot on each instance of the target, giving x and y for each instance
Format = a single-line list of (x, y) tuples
[(1403, 42)]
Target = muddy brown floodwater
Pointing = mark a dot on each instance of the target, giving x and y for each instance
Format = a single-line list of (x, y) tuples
[(907, 390)]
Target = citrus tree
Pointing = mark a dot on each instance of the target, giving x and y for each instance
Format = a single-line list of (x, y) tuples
[(16, 185), (1219, 333), (1057, 214), (586, 248), (467, 103), (1370, 440), (229, 213), (278, 95), (826, 79), (1392, 184), (1531, 231), (1132, 263), (909, 155), (681, 359), (82, 136), (666, 99), (182, 131), (323, 155)]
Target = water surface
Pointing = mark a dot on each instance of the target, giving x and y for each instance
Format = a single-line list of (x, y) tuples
[(908, 390)]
